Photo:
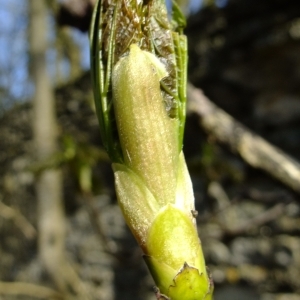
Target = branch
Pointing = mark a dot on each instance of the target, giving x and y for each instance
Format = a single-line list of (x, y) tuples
[(76, 13), (256, 151)]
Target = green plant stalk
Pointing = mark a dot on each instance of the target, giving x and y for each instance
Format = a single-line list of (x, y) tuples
[(139, 78)]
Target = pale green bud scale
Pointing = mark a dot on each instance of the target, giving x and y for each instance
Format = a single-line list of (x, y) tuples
[(148, 136), (136, 201)]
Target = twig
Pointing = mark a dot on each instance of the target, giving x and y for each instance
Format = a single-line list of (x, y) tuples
[(21, 222), (265, 217), (28, 289), (228, 221), (256, 151)]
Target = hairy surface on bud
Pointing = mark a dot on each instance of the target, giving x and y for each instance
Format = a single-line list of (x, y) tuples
[(147, 135)]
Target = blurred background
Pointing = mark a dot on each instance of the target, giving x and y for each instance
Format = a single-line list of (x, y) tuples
[(62, 235)]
